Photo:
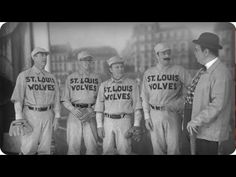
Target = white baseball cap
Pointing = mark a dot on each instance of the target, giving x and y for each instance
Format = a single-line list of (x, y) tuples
[(84, 55), (38, 50), (160, 47), (115, 59)]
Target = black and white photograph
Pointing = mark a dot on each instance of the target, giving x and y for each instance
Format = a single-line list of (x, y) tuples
[(117, 88)]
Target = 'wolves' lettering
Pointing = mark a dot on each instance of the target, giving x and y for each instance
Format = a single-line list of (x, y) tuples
[(163, 86), (42, 87), (118, 96), (84, 87)]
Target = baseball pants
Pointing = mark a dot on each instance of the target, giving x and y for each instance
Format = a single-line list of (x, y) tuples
[(115, 141), (165, 135), (39, 141), (75, 132)]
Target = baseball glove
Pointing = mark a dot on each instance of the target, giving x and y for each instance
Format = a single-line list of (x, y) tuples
[(20, 127), (135, 133), (87, 115)]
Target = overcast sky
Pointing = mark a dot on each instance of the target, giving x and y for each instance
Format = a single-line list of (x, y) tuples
[(114, 34)]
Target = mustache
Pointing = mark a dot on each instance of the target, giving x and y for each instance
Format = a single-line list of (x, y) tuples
[(166, 58)]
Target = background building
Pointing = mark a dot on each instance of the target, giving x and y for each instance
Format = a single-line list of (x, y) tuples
[(139, 50), (226, 33), (61, 56), (64, 60)]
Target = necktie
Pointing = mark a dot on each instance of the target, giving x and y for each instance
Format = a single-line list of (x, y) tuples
[(192, 87)]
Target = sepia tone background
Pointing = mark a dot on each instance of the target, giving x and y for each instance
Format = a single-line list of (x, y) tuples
[(133, 41)]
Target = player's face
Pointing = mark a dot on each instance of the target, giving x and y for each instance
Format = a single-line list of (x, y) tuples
[(117, 70), (164, 57), (199, 54), (87, 64), (40, 60)]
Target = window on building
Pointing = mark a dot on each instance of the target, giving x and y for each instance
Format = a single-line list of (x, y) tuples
[(149, 37), (142, 48), (157, 36), (141, 38)]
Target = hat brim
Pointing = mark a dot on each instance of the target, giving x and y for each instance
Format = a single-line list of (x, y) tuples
[(117, 63), (87, 58), (207, 45), (42, 52), (164, 50)]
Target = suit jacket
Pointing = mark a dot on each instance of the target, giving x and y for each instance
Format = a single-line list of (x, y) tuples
[(213, 103)]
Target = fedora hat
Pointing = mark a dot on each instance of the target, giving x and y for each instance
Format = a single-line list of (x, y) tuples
[(209, 40)]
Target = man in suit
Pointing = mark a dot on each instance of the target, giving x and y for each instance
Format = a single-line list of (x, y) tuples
[(212, 102)]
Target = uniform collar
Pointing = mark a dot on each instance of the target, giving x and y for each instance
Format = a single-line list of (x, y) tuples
[(83, 73), (163, 68), (38, 71), (118, 81)]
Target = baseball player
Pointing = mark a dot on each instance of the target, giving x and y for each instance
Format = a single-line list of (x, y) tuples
[(36, 99), (162, 100), (79, 96), (118, 98)]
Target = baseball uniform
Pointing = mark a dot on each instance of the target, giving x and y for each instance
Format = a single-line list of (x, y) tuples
[(162, 99), (80, 88), (38, 93), (118, 100)]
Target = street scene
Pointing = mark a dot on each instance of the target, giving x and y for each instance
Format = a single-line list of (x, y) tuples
[(80, 60)]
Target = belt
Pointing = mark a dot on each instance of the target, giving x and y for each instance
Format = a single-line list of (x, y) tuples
[(115, 116), (40, 108), (159, 108), (83, 105)]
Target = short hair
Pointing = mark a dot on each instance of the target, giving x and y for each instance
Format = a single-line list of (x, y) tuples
[(213, 51)]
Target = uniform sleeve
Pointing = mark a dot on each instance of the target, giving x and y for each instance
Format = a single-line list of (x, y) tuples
[(18, 110), (99, 119), (57, 105), (19, 90), (99, 106), (66, 91), (145, 98), (136, 98), (220, 94), (99, 84), (185, 79), (66, 96), (137, 105)]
